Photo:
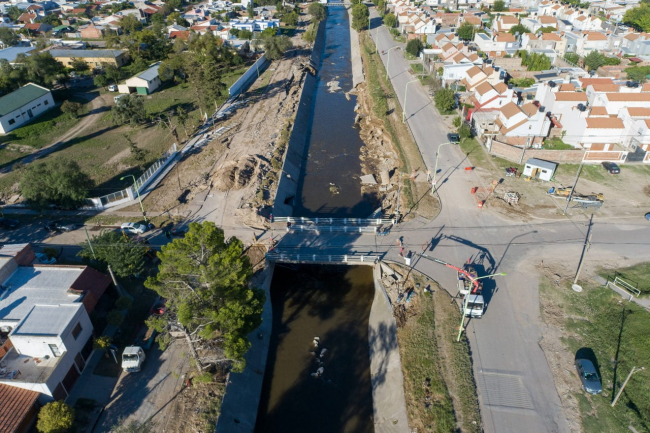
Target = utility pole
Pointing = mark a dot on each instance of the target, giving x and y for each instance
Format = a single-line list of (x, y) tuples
[(575, 182), (620, 391), (585, 249), (521, 157), (90, 244)]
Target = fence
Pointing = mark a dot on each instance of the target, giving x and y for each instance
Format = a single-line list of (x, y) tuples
[(624, 286), (249, 76), (369, 258), (343, 221), (127, 194), (333, 229)]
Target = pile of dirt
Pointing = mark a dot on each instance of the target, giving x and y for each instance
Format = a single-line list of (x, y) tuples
[(401, 292), (240, 173)]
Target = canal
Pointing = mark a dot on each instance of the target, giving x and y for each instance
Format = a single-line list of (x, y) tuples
[(329, 183), (329, 305)]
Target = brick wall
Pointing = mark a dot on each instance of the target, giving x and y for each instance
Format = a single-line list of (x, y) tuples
[(511, 64), (513, 153)]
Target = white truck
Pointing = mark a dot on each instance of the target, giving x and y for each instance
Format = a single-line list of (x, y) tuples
[(132, 359), (470, 292)]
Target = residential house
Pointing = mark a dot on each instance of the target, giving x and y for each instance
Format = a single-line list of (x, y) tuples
[(487, 97), (37, 28), (22, 105), (27, 17), (526, 121), (473, 77), (585, 42), (10, 54), (144, 83), (505, 23), (18, 409), (91, 31), (254, 25), (497, 44), (94, 58)]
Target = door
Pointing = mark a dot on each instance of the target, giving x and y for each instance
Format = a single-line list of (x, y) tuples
[(29, 113)]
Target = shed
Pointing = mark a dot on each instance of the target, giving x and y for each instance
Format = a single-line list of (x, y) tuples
[(539, 169), (145, 83), (22, 105)]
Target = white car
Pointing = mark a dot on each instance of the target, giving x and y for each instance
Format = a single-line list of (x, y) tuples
[(134, 228), (112, 88)]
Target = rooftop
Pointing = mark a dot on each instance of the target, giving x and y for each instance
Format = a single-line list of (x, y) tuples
[(150, 74), (16, 404), (605, 123), (45, 320), (24, 368), (541, 163), (569, 96), (87, 53), (29, 286), (10, 54), (20, 97), (628, 97)]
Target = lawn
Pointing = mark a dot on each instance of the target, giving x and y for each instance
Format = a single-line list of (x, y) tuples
[(479, 157), (616, 332), (595, 173), (637, 275), (556, 143)]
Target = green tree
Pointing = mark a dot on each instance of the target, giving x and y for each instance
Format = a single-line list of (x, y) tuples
[(414, 46), (55, 417), (638, 73), (129, 109), (57, 181), (548, 29), (572, 57), (276, 46), (72, 108), (499, 6), (390, 20), (290, 19), (250, 9), (466, 31), (13, 12), (457, 122), (245, 34), (115, 318), (535, 61), (360, 17), (79, 65), (206, 281), (175, 18), (125, 255), (465, 132), (7, 37), (612, 61), (101, 80), (522, 82), (445, 100), (102, 343), (519, 28), (269, 32), (317, 12), (639, 17), (234, 32), (594, 60)]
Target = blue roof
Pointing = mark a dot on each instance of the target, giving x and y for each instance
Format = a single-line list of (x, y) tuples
[(150, 74), (87, 53), (11, 53)]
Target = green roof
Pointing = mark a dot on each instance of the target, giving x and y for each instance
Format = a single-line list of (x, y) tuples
[(20, 97), (57, 28)]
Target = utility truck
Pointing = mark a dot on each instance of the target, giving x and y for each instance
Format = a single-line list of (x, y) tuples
[(470, 289)]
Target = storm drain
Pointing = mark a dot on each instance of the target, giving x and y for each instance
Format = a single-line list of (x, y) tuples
[(506, 390)]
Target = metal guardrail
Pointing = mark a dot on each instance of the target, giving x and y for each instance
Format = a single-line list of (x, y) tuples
[(626, 287), (333, 229), (322, 258), (337, 221)]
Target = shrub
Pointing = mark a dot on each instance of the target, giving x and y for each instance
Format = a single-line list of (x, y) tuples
[(102, 342), (123, 303), (55, 417), (115, 318), (205, 377)]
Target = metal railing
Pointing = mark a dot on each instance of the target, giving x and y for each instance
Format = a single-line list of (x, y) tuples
[(339, 221), (116, 196), (368, 258), (151, 171), (626, 287), (333, 229)]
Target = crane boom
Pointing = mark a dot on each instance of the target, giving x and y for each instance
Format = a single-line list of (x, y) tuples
[(459, 270)]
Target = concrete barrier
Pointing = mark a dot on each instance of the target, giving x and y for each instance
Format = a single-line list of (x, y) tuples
[(249, 76)]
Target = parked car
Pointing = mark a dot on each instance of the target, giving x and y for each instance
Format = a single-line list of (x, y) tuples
[(8, 223), (112, 88), (588, 376), (611, 167), (647, 216), (134, 228), (44, 259), (179, 230), (453, 138), (59, 226)]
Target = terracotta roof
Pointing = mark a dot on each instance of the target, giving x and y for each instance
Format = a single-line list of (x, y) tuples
[(568, 87), (545, 19), (598, 111), (587, 81), (487, 70), (581, 18), (180, 34), (505, 37), (471, 72), (93, 283), (605, 87), (473, 20), (631, 97), (459, 57), (646, 87), (571, 96), (530, 109), (440, 37), (605, 123), (632, 36), (647, 123), (16, 405), (550, 37), (596, 36), (531, 36), (501, 87), (638, 111), (509, 19), (473, 57), (447, 46), (510, 110), (483, 88)]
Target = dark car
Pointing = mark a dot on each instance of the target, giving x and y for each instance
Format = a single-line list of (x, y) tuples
[(179, 230), (8, 223), (59, 226), (611, 167), (453, 138), (588, 376)]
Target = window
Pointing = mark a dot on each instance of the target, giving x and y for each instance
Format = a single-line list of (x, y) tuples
[(55, 350), (46, 102), (12, 121), (77, 330)]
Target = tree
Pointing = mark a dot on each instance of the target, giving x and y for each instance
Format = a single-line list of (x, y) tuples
[(522, 82), (317, 12), (269, 32), (234, 32), (466, 31), (639, 17), (79, 65), (290, 19), (124, 254), (130, 24), (13, 12), (276, 46), (57, 181), (534, 61), (445, 100), (129, 109), (55, 417), (360, 17), (101, 80), (548, 29), (102, 343), (390, 20), (414, 46), (594, 60), (72, 108), (7, 37), (250, 9), (465, 132), (245, 34), (572, 57), (206, 281), (519, 28), (638, 73), (499, 6)]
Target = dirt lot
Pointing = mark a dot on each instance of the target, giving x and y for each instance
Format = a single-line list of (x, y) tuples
[(626, 195)]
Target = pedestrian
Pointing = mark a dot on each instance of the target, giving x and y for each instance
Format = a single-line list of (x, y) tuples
[(168, 235)]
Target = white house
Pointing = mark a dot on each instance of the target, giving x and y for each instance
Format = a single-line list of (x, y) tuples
[(539, 169), (145, 83), (22, 105), (254, 25)]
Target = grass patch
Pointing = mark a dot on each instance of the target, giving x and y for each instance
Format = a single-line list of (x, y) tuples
[(556, 143), (617, 332), (637, 275), (417, 68), (594, 173), (479, 157)]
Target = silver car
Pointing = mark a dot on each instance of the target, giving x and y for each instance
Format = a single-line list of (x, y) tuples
[(134, 228), (588, 376)]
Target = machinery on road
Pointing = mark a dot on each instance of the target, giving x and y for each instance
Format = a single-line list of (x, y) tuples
[(581, 200)]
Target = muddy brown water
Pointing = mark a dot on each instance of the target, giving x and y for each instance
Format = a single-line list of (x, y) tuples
[(332, 303), (331, 157)]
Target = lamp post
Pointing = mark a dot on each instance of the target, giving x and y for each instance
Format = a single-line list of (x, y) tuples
[(137, 192), (405, 95), (466, 301), (435, 171), (388, 62)]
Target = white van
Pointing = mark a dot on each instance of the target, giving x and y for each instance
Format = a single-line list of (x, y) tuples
[(475, 306)]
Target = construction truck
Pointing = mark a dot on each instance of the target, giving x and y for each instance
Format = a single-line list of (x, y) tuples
[(470, 289)]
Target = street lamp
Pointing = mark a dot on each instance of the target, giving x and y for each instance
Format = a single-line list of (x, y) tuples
[(388, 62), (462, 313), (137, 192), (405, 95), (435, 171)]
